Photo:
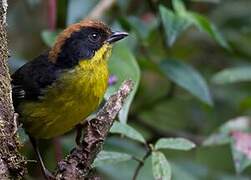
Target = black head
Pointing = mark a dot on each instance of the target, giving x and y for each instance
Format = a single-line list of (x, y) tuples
[(81, 41), (82, 45)]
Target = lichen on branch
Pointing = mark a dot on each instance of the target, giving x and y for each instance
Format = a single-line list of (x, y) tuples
[(12, 164)]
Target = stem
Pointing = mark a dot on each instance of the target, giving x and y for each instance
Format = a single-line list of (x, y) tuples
[(52, 14), (58, 149), (141, 163)]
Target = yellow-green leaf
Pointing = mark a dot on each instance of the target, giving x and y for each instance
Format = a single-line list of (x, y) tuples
[(109, 157), (127, 131), (188, 78), (174, 143), (173, 24), (232, 75), (161, 167)]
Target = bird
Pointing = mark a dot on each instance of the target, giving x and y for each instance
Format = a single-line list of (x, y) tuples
[(58, 89)]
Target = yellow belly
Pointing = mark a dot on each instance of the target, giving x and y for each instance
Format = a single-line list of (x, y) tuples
[(67, 102)]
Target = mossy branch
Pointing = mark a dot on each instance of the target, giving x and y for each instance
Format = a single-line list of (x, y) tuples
[(12, 164)]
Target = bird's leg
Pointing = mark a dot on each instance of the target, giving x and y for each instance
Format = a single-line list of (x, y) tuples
[(47, 174), (79, 129)]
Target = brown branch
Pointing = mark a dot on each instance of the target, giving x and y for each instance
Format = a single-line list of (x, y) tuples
[(77, 164), (12, 164)]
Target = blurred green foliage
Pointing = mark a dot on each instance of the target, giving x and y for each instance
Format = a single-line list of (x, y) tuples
[(190, 62)]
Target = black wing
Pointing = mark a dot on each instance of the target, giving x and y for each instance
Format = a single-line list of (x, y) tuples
[(29, 81)]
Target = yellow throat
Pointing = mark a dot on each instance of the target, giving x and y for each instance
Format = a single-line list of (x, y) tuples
[(73, 97)]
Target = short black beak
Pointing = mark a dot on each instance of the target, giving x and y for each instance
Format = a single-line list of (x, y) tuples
[(116, 36)]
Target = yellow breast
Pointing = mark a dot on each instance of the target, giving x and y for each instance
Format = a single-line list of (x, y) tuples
[(73, 97)]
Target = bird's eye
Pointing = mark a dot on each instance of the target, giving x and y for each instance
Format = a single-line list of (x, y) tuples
[(94, 37)]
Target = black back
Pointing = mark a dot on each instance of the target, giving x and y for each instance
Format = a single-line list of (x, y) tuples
[(29, 81)]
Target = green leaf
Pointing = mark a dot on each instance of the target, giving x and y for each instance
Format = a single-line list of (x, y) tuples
[(173, 24), (49, 37), (179, 7), (161, 167), (142, 28), (127, 131), (183, 172), (174, 143), (232, 75), (109, 157), (206, 26), (188, 78), (124, 66)]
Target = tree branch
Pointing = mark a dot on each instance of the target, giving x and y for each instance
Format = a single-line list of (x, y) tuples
[(100, 8), (12, 164), (77, 164)]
